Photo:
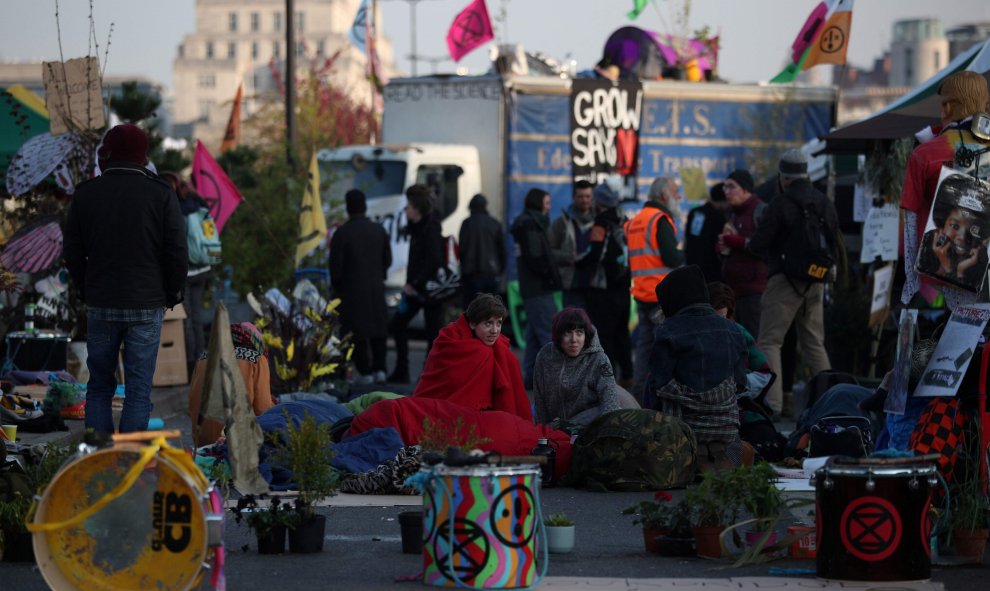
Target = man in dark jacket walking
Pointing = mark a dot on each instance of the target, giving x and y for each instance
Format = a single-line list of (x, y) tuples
[(482, 251), (125, 247), (426, 246), (788, 299), (538, 275), (360, 256)]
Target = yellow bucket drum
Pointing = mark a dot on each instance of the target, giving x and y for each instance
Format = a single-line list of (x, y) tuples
[(153, 525)]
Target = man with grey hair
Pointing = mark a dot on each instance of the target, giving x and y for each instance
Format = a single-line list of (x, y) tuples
[(651, 237), (789, 298)]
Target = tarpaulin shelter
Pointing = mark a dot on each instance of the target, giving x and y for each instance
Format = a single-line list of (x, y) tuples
[(910, 113), (22, 116)]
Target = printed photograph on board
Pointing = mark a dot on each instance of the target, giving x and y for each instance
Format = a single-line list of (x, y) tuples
[(954, 247)]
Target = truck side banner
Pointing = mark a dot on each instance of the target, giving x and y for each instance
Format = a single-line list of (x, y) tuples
[(605, 119)]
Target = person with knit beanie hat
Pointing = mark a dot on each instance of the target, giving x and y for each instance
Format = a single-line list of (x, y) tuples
[(123, 143), (962, 95), (745, 272), (788, 298), (125, 248)]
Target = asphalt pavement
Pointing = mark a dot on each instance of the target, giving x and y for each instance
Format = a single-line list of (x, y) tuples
[(363, 547)]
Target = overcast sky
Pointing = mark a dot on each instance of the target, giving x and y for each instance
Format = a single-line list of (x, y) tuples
[(756, 34)]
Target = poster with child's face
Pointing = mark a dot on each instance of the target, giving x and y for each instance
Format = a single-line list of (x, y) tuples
[(954, 247)]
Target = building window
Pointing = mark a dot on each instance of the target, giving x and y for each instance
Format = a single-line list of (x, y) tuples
[(254, 50), (207, 81), (232, 22), (231, 50), (255, 22), (278, 21), (254, 81), (276, 49), (321, 47), (204, 108), (938, 61), (300, 49), (299, 22), (209, 50), (182, 51), (908, 66)]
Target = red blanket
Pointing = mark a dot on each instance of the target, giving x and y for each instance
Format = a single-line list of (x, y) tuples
[(462, 369), (508, 434)]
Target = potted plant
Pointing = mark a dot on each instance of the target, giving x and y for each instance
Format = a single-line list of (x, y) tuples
[(269, 523), (15, 540), (560, 533), (307, 451), (969, 520), (761, 498), (713, 502), (16, 491), (659, 517)]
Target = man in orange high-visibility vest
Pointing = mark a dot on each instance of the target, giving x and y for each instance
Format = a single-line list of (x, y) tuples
[(651, 237)]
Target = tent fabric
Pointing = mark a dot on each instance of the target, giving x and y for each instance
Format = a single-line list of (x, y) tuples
[(22, 117), (910, 113), (34, 248)]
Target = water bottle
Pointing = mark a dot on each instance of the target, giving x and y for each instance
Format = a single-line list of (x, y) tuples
[(29, 318), (543, 448)]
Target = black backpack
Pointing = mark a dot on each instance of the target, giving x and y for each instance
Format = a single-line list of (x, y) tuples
[(808, 254)]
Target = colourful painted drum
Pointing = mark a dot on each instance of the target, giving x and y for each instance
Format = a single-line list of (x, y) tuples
[(480, 526), (153, 536), (873, 522)]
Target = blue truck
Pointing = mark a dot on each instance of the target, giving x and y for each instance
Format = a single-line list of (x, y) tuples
[(501, 136)]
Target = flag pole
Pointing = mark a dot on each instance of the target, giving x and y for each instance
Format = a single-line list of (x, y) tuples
[(371, 79), (290, 82)]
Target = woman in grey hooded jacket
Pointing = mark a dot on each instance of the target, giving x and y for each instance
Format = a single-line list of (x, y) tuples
[(573, 379)]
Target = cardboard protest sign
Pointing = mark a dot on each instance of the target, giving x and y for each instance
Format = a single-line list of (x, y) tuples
[(73, 94), (954, 247), (880, 234), (883, 278), (946, 368)]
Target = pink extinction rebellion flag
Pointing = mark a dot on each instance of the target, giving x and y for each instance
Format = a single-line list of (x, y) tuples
[(470, 28), (213, 186)]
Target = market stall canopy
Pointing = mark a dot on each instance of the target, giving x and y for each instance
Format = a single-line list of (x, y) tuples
[(22, 116), (910, 113)]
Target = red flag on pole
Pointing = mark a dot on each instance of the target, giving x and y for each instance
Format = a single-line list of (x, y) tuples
[(470, 28), (214, 187), (232, 136)]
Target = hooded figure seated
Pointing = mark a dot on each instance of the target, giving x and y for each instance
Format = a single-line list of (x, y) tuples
[(471, 364), (573, 380), (696, 364)]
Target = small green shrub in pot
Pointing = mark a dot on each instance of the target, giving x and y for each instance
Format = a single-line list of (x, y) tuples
[(558, 520)]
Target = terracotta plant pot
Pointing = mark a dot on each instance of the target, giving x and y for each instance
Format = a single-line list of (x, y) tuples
[(274, 542), (706, 541), (970, 544), (651, 538)]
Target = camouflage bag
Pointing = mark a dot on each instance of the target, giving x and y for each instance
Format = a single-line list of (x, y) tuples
[(634, 450)]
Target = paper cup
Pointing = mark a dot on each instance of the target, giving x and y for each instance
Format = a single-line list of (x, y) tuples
[(10, 431)]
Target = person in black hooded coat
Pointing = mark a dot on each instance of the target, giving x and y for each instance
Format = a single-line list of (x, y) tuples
[(697, 361)]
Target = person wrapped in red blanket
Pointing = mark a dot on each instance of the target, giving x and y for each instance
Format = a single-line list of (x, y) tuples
[(471, 364), (506, 434)]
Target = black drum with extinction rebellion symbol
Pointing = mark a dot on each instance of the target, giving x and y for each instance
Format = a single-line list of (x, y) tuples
[(873, 521)]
